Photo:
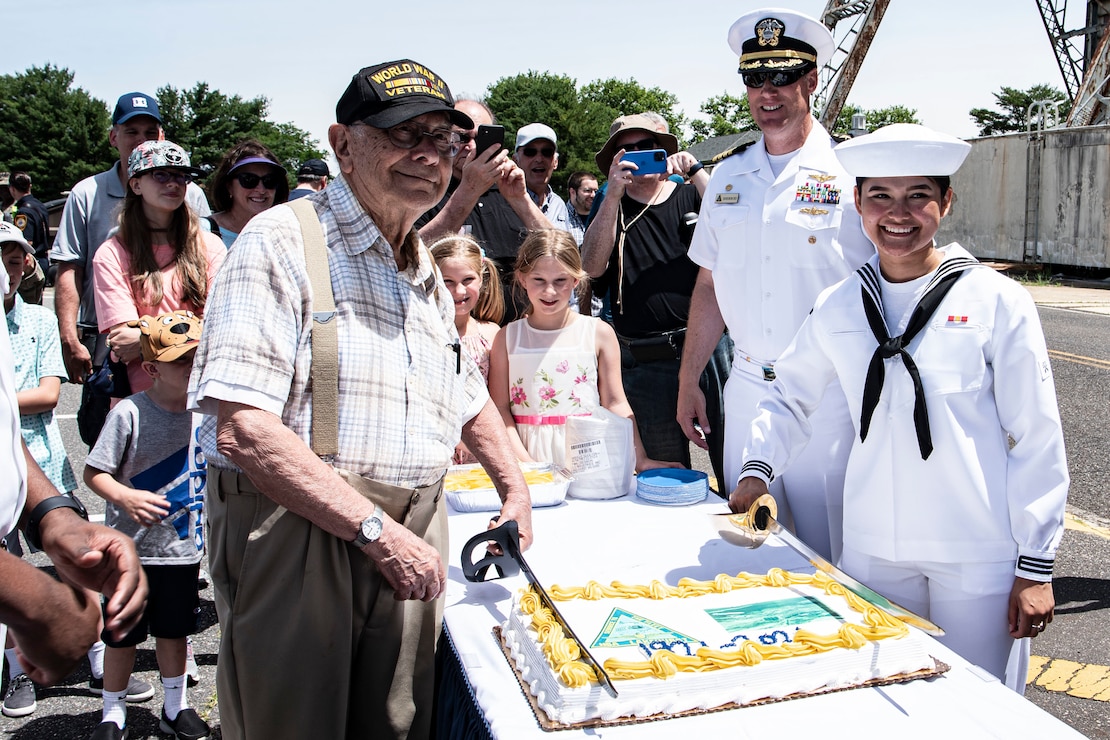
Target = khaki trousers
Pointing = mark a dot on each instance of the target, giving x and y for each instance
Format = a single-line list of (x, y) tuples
[(313, 644)]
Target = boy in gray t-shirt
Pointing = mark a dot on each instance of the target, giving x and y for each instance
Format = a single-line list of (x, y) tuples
[(148, 467)]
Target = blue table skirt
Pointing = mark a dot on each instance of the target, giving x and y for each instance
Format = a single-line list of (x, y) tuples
[(457, 715)]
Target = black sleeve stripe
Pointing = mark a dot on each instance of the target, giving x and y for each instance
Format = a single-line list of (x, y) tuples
[(1040, 566), (758, 466)]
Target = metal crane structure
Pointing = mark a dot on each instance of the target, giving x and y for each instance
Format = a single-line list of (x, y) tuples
[(1083, 57), (857, 22)]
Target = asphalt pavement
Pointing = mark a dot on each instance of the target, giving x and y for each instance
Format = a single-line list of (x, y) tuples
[(1070, 677)]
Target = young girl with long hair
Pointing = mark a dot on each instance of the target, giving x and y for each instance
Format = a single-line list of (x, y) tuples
[(555, 363), (472, 280), (159, 260)]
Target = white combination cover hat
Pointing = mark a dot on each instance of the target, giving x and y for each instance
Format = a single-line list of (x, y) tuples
[(902, 150)]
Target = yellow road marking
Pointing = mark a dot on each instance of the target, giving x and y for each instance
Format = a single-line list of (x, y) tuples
[(1081, 680), (1071, 521), (1080, 359)]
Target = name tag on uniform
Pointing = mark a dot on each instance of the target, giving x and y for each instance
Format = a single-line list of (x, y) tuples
[(732, 198)]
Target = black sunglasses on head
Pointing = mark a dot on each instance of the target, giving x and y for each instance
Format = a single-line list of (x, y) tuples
[(249, 180), (778, 79)]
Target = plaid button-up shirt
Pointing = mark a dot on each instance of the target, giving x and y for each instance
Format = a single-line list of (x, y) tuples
[(402, 400)]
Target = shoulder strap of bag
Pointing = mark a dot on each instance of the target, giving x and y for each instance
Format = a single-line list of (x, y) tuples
[(325, 334)]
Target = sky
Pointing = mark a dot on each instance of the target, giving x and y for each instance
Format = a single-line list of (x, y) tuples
[(941, 57)]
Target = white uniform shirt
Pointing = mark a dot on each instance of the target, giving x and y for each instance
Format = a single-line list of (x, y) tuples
[(774, 243), (985, 371)]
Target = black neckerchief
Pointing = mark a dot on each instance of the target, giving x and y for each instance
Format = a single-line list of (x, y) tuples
[(944, 278)]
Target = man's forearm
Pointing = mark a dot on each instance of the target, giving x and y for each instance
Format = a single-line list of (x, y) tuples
[(529, 213), (600, 238), (486, 438), (67, 300), (452, 216), (279, 463)]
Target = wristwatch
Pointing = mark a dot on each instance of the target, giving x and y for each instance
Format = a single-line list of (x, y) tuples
[(370, 529), (45, 507)]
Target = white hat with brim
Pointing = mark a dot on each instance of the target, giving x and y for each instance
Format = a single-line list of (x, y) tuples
[(10, 234), (527, 134), (776, 39), (902, 150)]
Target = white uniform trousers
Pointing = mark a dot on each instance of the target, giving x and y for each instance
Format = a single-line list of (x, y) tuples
[(969, 601), (810, 493)]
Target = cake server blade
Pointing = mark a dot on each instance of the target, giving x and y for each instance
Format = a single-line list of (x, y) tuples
[(760, 518), (508, 563)]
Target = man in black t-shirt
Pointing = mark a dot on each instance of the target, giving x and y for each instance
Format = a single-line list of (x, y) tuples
[(636, 247)]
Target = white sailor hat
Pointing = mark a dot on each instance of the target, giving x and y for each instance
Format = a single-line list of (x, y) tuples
[(777, 39), (902, 150)]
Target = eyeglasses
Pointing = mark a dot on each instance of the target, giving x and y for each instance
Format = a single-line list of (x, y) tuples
[(780, 78), (531, 151), (249, 180), (643, 145), (408, 135), (165, 177)]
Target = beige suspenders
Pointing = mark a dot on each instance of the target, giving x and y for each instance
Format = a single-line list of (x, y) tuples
[(325, 335)]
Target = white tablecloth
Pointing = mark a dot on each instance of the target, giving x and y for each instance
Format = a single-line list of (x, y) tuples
[(629, 540)]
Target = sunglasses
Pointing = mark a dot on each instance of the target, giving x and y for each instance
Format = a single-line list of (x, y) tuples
[(778, 79), (530, 151), (249, 180), (165, 177), (408, 135), (643, 145)]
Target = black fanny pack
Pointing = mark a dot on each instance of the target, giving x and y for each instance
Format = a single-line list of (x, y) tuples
[(664, 346)]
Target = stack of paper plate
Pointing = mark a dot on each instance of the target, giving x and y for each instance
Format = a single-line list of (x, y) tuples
[(672, 486)]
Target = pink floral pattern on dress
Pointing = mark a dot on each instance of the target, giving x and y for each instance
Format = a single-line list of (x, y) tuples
[(562, 367), (517, 395)]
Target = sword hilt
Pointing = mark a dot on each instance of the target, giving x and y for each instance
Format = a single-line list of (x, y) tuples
[(506, 563)]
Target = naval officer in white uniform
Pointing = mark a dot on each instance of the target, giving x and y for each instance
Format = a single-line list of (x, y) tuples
[(957, 480), (777, 226)]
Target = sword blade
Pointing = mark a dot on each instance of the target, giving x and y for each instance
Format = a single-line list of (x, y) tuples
[(587, 658), (864, 592)]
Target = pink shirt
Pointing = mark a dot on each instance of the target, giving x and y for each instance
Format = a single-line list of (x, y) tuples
[(117, 304)]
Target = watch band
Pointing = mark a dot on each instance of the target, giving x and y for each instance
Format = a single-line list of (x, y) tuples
[(31, 531)]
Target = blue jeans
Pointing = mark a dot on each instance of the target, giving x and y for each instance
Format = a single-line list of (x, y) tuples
[(652, 391)]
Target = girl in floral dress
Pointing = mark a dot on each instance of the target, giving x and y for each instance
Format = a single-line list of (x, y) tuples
[(471, 279), (554, 363)]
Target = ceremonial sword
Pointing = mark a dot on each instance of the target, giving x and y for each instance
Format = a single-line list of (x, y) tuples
[(508, 563), (760, 520)]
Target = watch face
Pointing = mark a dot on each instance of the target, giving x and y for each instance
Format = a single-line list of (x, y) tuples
[(371, 528)]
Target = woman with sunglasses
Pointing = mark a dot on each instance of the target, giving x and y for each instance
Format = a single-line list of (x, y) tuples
[(247, 182), (160, 260)]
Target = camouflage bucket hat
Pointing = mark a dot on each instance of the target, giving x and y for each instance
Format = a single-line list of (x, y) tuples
[(159, 155)]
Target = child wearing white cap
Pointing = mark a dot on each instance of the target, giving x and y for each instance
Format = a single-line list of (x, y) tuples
[(957, 479)]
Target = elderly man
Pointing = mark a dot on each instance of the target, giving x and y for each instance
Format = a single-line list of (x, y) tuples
[(91, 211), (326, 456), (636, 244), (776, 228)]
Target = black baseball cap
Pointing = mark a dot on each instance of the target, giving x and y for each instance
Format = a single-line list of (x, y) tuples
[(393, 92), (314, 167)]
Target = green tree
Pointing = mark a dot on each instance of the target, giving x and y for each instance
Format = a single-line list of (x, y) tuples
[(1014, 105), (52, 130), (580, 118), (875, 118), (726, 115), (207, 123)]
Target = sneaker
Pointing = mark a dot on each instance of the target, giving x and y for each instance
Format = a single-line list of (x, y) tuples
[(109, 731), (202, 580), (20, 699), (187, 726), (136, 690), (192, 670)]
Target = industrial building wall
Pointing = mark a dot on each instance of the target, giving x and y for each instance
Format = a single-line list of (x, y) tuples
[(989, 214)]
